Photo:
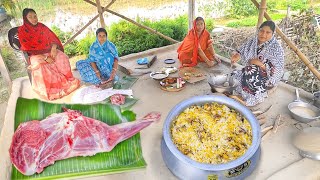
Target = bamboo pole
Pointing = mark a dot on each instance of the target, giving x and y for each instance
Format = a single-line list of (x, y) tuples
[(5, 72), (102, 23), (263, 8), (292, 46), (191, 13), (85, 26), (135, 23)]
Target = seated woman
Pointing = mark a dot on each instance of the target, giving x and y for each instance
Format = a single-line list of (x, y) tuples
[(50, 69), (197, 46), (263, 58), (102, 63)]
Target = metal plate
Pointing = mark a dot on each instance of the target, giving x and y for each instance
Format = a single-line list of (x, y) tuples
[(169, 61)]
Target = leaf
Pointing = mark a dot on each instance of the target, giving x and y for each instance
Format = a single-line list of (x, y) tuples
[(125, 156)]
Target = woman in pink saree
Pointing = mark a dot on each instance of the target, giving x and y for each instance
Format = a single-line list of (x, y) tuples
[(50, 68)]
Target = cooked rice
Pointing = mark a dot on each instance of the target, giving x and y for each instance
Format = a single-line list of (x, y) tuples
[(211, 133)]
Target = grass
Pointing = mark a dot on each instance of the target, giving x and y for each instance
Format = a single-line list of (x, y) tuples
[(250, 21)]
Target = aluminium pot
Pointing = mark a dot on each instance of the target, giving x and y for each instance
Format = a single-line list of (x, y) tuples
[(185, 168)]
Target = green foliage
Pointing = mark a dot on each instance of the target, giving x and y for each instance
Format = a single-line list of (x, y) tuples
[(84, 44), (298, 4), (16, 67), (70, 49), (130, 38), (8, 5), (241, 8), (209, 24), (251, 21)]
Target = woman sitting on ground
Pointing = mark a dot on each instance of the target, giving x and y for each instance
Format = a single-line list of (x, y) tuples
[(50, 69), (102, 63), (197, 46), (263, 58)]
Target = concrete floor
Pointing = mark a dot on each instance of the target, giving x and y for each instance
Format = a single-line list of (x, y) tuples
[(279, 158)]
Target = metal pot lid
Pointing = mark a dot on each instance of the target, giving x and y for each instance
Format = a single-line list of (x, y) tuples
[(307, 141)]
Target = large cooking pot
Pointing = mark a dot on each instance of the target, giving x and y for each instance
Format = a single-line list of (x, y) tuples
[(185, 168), (302, 111)]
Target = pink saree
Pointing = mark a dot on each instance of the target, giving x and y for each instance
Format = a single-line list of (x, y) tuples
[(52, 80)]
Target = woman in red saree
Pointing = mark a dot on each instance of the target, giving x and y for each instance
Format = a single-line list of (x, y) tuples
[(50, 68), (197, 46)]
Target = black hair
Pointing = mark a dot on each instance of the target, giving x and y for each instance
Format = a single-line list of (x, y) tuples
[(271, 24), (101, 30), (199, 18), (26, 11)]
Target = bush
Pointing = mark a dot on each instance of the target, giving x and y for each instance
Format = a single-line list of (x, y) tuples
[(83, 46), (130, 38), (241, 8), (69, 49)]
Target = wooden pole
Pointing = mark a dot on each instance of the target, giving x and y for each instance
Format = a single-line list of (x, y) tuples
[(304, 59), (191, 13), (134, 22), (102, 23), (83, 28), (5, 72), (263, 8)]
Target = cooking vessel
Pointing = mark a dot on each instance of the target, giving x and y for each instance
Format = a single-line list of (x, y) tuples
[(316, 99), (218, 82), (185, 168), (302, 111), (307, 142)]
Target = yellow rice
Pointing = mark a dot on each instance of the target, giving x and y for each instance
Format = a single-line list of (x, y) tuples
[(211, 133)]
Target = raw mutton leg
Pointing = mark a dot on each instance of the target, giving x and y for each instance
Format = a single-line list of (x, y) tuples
[(38, 144)]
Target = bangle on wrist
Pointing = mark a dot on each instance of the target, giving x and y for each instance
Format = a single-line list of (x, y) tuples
[(114, 69), (46, 58)]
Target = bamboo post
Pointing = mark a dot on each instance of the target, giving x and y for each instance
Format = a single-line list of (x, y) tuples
[(191, 13), (135, 23), (102, 23), (5, 72), (292, 46), (83, 28), (263, 8)]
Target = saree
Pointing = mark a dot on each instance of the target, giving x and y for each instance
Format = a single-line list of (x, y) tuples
[(253, 81), (189, 47), (104, 56), (49, 80)]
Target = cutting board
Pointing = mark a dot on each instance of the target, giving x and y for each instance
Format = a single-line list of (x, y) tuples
[(192, 74)]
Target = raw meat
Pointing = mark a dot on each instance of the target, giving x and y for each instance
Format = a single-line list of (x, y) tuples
[(117, 99), (38, 144)]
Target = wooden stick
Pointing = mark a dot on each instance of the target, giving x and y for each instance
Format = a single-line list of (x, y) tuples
[(292, 46), (135, 23), (102, 23), (262, 121), (276, 123), (266, 129), (263, 8)]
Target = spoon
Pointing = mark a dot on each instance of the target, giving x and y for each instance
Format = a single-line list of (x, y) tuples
[(226, 84)]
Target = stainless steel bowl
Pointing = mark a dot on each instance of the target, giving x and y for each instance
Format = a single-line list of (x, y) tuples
[(316, 99), (217, 83), (158, 75), (185, 168)]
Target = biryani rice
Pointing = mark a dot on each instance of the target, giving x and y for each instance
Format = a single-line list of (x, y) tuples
[(211, 133)]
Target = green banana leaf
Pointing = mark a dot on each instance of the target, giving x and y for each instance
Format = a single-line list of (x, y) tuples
[(129, 102), (126, 156)]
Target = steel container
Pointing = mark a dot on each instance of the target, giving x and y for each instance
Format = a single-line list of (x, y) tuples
[(185, 168)]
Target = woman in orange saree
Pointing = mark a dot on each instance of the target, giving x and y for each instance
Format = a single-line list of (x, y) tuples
[(197, 46), (50, 68)]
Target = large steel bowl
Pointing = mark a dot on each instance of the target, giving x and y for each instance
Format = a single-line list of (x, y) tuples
[(217, 83), (185, 168)]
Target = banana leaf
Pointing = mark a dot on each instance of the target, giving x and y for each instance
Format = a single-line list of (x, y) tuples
[(126, 156), (129, 102)]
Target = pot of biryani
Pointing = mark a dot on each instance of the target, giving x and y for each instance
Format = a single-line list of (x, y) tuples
[(222, 83), (211, 137)]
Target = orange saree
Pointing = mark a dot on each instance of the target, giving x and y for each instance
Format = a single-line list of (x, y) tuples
[(188, 50)]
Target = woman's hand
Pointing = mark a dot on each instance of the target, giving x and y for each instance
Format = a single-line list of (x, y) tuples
[(235, 57), (98, 74), (54, 51), (113, 74), (49, 60), (257, 62)]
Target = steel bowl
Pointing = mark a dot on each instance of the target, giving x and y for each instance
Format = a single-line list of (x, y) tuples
[(316, 99), (185, 168), (217, 83), (302, 111), (158, 75)]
